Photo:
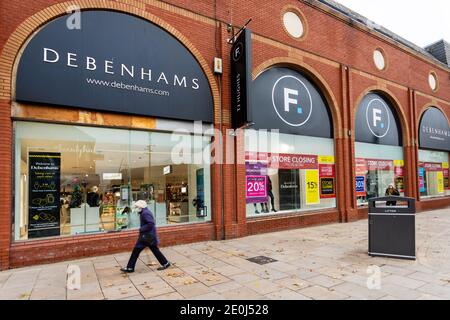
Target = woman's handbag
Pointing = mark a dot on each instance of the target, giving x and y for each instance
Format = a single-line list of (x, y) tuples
[(148, 239)]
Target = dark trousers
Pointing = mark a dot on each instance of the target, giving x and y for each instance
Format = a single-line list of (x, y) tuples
[(137, 251)]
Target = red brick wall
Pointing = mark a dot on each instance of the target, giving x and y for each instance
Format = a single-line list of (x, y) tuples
[(272, 224), (335, 53), (5, 184), (53, 250)]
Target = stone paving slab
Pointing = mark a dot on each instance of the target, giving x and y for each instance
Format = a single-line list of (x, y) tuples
[(286, 294), (321, 293), (325, 262)]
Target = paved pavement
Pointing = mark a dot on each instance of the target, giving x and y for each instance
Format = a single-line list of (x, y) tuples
[(326, 262)]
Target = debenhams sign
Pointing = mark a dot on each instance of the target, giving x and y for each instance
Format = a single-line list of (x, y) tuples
[(114, 62), (434, 130), (72, 60)]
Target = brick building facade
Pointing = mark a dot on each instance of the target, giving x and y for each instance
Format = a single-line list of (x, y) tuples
[(335, 53)]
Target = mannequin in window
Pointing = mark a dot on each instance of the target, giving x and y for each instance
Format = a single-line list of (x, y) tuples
[(264, 208), (93, 198), (65, 210), (271, 196)]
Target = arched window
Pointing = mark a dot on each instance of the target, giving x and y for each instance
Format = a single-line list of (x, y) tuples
[(290, 164), (72, 179), (378, 148), (434, 144)]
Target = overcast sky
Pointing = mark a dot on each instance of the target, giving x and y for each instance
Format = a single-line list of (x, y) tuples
[(421, 22)]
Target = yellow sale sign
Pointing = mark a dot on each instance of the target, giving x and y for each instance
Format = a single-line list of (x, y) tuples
[(399, 163), (312, 187), (440, 178), (326, 159)]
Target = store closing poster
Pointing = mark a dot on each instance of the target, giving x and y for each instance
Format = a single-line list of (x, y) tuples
[(361, 171), (256, 182), (44, 195), (289, 189), (399, 172), (312, 187), (379, 176), (440, 182), (289, 166), (446, 175), (327, 177), (422, 188)]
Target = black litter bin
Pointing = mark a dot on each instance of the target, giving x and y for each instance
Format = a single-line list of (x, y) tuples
[(392, 227)]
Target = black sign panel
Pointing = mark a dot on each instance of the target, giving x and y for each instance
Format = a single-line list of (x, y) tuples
[(434, 130), (327, 187), (241, 78), (114, 62), (44, 199), (289, 188), (286, 100), (376, 122)]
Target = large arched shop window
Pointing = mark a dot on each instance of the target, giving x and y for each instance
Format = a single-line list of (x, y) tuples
[(378, 148), (434, 148), (293, 170), (72, 179)]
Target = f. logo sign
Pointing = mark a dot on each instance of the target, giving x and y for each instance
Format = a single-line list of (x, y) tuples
[(377, 116), (238, 51), (292, 101)]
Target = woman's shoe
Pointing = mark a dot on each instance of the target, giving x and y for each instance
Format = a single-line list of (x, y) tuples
[(164, 267), (127, 270)]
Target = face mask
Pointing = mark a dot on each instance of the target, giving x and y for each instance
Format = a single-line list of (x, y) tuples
[(136, 210)]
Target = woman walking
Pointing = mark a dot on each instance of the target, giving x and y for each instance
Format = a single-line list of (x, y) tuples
[(147, 238)]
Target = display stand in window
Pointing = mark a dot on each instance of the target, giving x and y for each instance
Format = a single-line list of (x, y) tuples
[(177, 202)]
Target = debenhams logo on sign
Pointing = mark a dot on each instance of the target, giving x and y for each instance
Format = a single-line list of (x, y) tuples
[(435, 133), (109, 67)]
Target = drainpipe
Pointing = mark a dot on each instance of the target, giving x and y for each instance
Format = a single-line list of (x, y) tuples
[(217, 41)]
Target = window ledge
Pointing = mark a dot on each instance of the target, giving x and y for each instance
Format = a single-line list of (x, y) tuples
[(292, 214)]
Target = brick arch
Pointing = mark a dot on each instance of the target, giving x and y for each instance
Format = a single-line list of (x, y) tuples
[(318, 80), (15, 44), (390, 96)]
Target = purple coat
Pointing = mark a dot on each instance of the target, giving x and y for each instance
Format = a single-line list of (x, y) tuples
[(148, 225)]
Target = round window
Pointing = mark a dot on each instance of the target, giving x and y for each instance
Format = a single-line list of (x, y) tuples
[(293, 24), (379, 60), (432, 81)]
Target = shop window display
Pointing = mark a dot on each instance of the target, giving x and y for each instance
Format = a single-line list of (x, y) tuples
[(295, 175), (289, 148), (434, 144), (433, 174), (376, 168), (379, 158), (73, 180)]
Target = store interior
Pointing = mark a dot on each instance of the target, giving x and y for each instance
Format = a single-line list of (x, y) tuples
[(105, 171)]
